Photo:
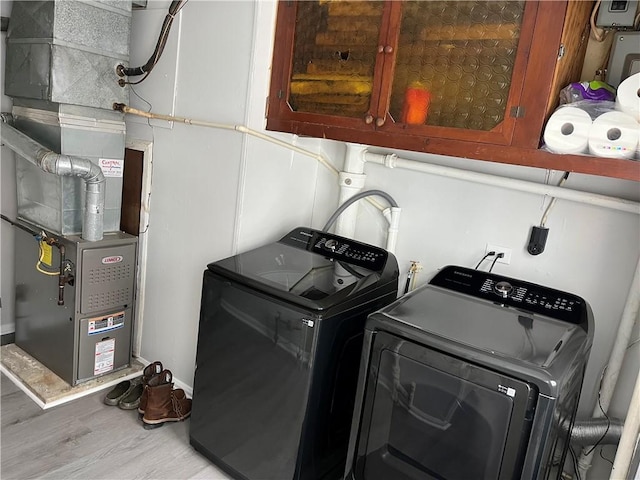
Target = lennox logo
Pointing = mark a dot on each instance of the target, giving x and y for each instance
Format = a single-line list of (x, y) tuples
[(112, 259)]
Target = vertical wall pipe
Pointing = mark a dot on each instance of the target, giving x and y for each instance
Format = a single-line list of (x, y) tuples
[(629, 439), (351, 181), (393, 217), (618, 351), (65, 165)]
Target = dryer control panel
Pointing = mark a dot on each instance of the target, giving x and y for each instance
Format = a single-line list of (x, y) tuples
[(514, 293), (337, 248)]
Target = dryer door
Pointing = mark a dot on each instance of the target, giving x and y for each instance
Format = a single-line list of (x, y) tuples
[(428, 415)]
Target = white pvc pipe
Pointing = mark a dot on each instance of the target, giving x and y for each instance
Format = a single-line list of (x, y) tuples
[(393, 161), (618, 351), (625, 329), (629, 439), (223, 126), (350, 185), (351, 182), (392, 215)]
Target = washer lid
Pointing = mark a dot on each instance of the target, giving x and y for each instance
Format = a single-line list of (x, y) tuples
[(311, 268), (481, 325)]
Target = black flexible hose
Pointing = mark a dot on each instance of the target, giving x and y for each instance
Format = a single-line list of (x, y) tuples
[(162, 41)]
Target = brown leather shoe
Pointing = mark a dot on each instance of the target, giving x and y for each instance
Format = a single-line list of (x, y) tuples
[(150, 371), (164, 404)]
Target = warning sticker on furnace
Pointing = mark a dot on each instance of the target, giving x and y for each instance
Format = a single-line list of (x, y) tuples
[(105, 355), (104, 324)]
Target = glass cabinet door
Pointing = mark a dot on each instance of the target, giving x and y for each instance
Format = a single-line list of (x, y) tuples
[(444, 69), (334, 57), (455, 61)]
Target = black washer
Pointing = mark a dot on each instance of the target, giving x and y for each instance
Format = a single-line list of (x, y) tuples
[(279, 345)]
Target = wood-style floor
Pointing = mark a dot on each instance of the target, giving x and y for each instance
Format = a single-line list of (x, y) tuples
[(86, 439)]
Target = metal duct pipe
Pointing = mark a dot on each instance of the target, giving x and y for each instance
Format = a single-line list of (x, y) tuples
[(597, 431), (65, 165)]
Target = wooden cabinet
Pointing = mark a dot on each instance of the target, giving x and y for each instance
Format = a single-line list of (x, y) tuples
[(471, 79)]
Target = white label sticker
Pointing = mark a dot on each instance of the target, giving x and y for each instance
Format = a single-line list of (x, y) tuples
[(112, 167), (105, 354), (510, 391), (99, 325)]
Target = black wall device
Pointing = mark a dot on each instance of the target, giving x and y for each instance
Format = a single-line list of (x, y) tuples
[(537, 240)]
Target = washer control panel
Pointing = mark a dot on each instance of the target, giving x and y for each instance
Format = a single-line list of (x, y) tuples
[(338, 248), (511, 292)]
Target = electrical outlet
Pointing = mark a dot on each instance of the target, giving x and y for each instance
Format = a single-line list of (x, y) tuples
[(498, 249)]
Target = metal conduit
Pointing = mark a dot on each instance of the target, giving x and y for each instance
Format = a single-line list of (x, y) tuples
[(65, 165)]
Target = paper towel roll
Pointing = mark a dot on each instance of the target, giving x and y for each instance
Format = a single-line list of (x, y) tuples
[(567, 130), (614, 135), (628, 96)]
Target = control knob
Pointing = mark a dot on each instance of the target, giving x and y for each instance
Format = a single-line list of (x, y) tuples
[(503, 289), (331, 244)]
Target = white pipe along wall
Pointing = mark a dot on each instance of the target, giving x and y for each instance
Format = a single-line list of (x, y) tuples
[(350, 183), (629, 441), (393, 161), (618, 351)]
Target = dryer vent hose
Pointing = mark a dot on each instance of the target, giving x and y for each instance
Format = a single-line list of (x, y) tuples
[(598, 431)]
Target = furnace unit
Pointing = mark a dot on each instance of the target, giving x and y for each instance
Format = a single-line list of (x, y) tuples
[(76, 319)]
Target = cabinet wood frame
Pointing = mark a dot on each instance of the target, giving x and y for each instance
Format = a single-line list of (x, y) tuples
[(515, 141)]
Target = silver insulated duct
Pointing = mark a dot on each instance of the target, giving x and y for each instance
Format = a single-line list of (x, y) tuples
[(64, 165), (61, 73)]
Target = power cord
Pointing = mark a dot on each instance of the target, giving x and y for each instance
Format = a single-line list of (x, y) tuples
[(500, 255), (574, 458), (545, 216), (539, 233), (489, 254)]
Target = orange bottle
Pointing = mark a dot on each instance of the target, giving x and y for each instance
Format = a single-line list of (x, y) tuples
[(416, 104)]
